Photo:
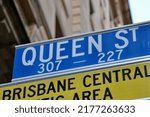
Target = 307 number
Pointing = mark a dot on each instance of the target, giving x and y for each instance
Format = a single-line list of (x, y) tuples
[(50, 66)]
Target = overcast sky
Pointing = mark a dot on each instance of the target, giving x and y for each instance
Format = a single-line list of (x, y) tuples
[(140, 10)]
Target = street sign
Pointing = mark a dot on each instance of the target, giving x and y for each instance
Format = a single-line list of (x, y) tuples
[(83, 51), (121, 82)]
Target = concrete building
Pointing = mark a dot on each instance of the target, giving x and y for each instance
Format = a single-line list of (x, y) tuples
[(25, 21)]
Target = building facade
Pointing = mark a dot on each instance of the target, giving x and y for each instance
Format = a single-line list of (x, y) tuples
[(25, 21)]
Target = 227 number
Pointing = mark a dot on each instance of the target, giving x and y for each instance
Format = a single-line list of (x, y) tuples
[(109, 56)]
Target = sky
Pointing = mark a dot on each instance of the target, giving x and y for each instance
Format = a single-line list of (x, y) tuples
[(140, 10)]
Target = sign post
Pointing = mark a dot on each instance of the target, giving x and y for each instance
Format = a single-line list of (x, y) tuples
[(78, 53)]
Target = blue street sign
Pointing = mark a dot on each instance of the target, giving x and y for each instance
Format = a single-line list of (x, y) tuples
[(80, 52)]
